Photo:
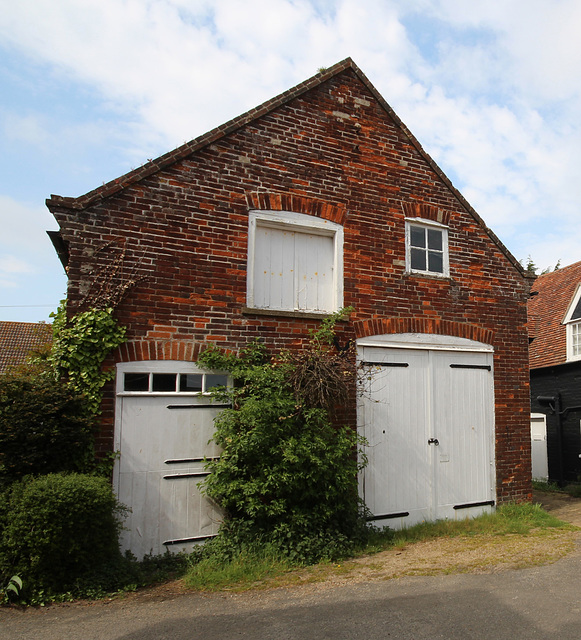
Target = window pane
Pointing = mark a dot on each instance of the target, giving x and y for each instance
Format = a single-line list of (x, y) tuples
[(190, 382), (418, 259), (417, 237), (164, 381), (136, 382), (215, 380), (435, 239), (576, 339), (435, 262)]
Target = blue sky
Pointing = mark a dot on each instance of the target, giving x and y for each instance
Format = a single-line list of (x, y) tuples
[(93, 88)]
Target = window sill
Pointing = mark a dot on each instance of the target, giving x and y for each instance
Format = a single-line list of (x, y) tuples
[(286, 314), (425, 274)]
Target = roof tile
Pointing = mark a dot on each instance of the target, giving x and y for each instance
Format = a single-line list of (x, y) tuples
[(19, 339), (554, 293)]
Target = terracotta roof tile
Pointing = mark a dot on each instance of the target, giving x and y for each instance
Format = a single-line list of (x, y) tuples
[(547, 309), (18, 339)]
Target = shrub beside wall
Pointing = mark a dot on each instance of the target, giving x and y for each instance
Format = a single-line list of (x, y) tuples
[(44, 428), (58, 531)]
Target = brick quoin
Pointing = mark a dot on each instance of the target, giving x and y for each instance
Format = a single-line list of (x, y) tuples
[(331, 148)]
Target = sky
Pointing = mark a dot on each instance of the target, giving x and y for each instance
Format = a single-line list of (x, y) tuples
[(90, 89)]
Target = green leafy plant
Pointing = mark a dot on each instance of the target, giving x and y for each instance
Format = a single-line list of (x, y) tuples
[(60, 532), (80, 346), (44, 426), (287, 475), (13, 587)]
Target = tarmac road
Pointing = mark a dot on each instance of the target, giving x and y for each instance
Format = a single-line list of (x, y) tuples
[(536, 603)]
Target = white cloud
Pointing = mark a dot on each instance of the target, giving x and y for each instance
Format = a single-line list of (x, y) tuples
[(494, 95), (10, 270), (535, 42), (10, 264), (30, 273), (24, 227), (26, 128), (185, 67)]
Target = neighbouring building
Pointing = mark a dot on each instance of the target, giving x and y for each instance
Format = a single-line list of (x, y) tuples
[(555, 362), (18, 340)]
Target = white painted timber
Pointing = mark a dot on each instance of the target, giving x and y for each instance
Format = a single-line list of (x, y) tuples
[(161, 465), (428, 416), (540, 460), (295, 262), (293, 270)]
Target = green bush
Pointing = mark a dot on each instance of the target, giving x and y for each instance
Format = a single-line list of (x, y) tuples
[(81, 344), (60, 533), (287, 475), (44, 427)]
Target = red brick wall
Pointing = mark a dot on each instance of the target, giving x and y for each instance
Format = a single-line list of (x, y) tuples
[(333, 152)]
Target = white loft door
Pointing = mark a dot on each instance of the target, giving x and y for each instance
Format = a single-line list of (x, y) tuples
[(293, 270)]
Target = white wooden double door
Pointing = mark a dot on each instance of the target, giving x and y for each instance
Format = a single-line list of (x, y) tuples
[(428, 416)]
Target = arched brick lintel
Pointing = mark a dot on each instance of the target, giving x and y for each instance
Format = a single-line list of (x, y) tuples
[(270, 201), (139, 350), (381, 326), (426, 211)]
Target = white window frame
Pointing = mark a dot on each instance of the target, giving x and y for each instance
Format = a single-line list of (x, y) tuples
[(150, 367), (427, 224), (573, 326), (298, 223)]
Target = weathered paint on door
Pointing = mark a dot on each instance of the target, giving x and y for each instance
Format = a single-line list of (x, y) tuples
[(163, 440), (293, 270), (428, 417), (540, 460)]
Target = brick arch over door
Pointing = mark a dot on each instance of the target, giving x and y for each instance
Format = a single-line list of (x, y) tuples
[(381, 326), (140, 350), (270, 201)]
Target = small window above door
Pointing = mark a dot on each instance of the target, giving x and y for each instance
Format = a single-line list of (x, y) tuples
[(162, 378)]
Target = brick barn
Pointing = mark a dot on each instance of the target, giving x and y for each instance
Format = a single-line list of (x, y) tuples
[(318, 199)]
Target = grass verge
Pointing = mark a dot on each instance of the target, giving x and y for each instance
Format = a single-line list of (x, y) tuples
[(250, 568), (514, 536)]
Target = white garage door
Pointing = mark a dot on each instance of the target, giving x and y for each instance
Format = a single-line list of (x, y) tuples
[(165, 419), (428, 416)]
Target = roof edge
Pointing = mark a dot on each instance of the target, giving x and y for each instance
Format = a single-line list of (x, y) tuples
[(436, 168), (118, 184)]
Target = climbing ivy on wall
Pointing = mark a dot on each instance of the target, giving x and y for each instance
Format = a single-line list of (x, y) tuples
[(81, 344), (82, 341)]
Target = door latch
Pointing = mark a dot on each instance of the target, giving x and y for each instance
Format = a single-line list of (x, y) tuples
[(434, 441)]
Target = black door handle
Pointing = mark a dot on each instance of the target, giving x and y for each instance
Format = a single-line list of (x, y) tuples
[(434, 441)]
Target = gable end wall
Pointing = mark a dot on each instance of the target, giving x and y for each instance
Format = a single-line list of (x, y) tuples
[(334, 153)]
